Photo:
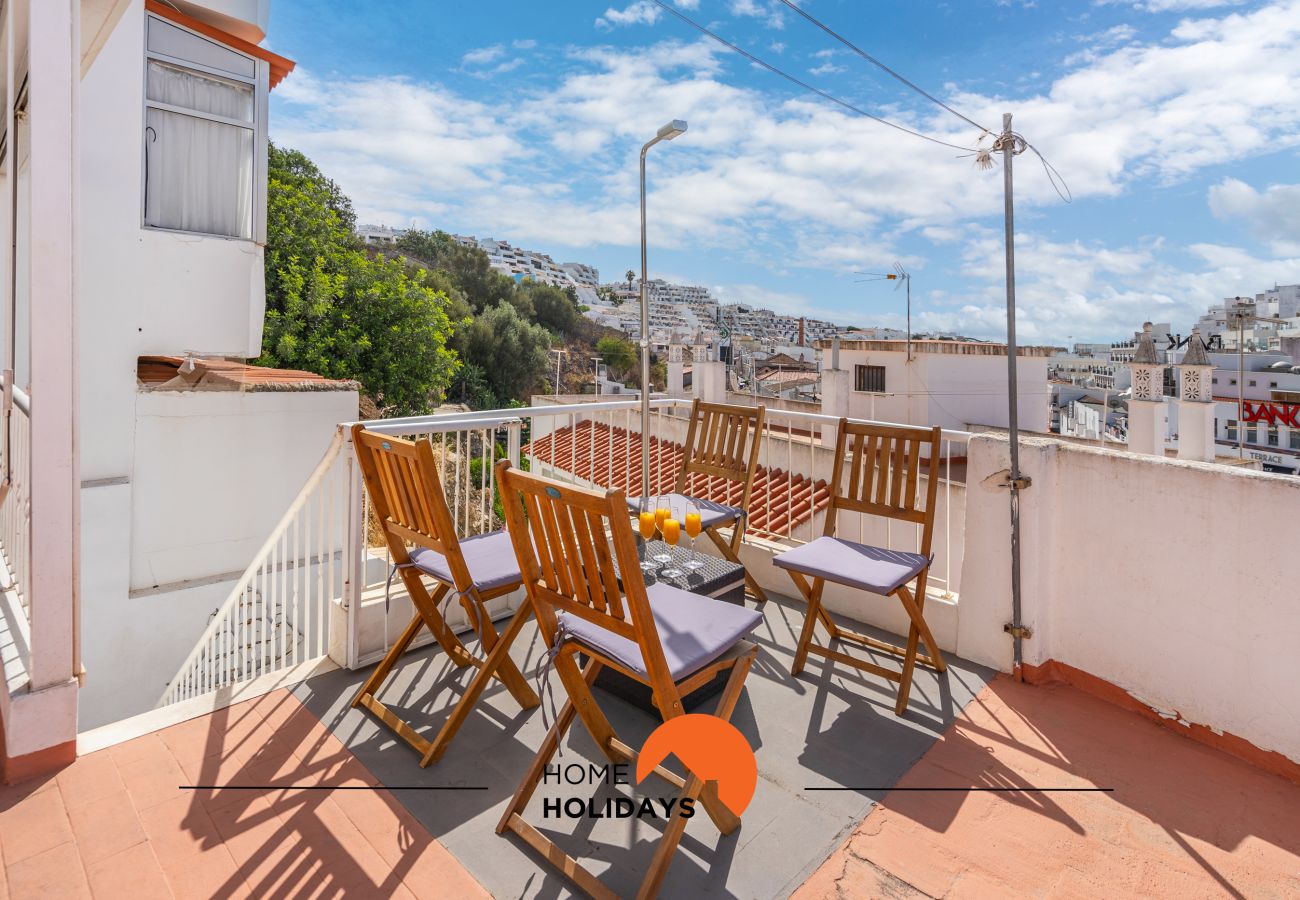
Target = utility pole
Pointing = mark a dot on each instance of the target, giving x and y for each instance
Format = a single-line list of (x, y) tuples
[(558, 354), (1007, 142)]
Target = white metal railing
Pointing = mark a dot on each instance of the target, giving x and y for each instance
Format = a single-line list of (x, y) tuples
[(327, 550), (277, 615), (16, 505)]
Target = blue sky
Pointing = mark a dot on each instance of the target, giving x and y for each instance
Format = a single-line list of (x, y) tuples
[(1175, 123)]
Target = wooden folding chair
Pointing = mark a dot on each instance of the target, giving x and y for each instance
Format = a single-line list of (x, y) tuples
[(407, 495), (668, 639), (884, 477), (722, 440)]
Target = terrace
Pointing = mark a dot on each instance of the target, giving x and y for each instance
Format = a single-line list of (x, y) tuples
[(1153, 590)]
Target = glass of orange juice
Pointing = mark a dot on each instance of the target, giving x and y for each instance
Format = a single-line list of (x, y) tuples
[(693, 530), (672, 532), (646, 522), (663, 512)]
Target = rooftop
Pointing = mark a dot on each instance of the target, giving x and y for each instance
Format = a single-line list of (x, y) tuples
[(206, 373), (955, 348), (936, 804)]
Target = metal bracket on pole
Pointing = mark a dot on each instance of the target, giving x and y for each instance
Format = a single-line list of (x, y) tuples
[(1019, 484), (1022, 632)]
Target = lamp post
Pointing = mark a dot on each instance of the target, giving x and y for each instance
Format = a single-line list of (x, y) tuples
[(1241, 316), (595, 362), (673, 129)]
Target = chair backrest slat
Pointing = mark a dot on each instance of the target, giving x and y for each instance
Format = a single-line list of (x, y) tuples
[(567, 540), (722, 441), (884, 477), (407, 495)]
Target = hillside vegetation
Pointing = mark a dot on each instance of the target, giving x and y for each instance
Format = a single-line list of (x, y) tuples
[(428, 322)]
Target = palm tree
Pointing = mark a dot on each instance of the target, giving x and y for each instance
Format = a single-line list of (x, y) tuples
[(630, 276)]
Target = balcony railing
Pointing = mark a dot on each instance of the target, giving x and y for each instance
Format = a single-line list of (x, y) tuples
[(318, 586), (16, 502)]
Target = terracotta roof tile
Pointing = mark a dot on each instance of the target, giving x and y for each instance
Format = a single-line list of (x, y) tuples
[(593, 451), (224, 374)]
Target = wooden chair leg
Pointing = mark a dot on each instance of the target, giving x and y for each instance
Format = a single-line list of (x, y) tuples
[(722, 816), (427, 606), (909, 664), (814, 597), (507, 672), (550, 744), (390, 659), (491, 668), (913, 607), (672, 836)]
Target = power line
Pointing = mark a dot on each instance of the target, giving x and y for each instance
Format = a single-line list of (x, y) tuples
[(878, 64), (1053, 176), (803, 84)]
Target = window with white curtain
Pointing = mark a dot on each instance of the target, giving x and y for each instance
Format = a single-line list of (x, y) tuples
[(201, 134)]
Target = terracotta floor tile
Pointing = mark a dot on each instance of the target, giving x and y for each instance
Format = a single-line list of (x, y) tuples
[(54, 873), (145, 747), (105, 827), (151, 781), (90, 778), (1183, 819), (179, 829), (208, 875), (33, 825), (133, 874)]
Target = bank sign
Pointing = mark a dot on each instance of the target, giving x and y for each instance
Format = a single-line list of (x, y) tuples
[(1272, 413)]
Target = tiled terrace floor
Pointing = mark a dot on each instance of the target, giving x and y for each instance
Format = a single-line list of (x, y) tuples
[(1183, 820)]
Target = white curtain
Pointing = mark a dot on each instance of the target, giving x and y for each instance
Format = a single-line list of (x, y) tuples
[(199, 172)]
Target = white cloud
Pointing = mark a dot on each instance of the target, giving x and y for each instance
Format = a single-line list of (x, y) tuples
[(523, 44), (1271, 216), (1172, 5), (483, 55), (826, 68), (641, 12), (803, 183)]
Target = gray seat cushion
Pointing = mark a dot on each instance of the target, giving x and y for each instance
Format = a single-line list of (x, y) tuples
[(694, 631), (857, 565), (711, 512), (489, 557)]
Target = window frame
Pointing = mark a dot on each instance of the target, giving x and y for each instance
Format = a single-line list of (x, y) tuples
[(261, 86), (866, 368)]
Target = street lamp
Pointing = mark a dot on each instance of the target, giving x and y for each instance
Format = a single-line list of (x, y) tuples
[(673, 129), (1238, 315), (595, 360)]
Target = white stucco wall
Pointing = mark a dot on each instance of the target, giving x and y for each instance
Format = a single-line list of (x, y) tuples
[(1170, 579), (215, 470), (143, 291), (950, 390)]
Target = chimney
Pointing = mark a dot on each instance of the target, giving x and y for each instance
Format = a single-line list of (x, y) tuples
[(801, 331)]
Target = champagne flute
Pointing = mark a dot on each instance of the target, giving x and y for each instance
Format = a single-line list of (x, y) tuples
[(663, 511), (693, 529), (646, 522), (672, 532)]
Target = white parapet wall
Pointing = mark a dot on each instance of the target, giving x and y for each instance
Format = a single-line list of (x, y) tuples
[(1172, 580)]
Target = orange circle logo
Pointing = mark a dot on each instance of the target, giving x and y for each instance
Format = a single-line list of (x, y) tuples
[(712, 749)]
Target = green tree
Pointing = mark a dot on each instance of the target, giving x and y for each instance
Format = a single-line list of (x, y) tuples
[(333, 310), (618, 355), (630, 276), (511, 352), (554, 308), (469, 267)]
